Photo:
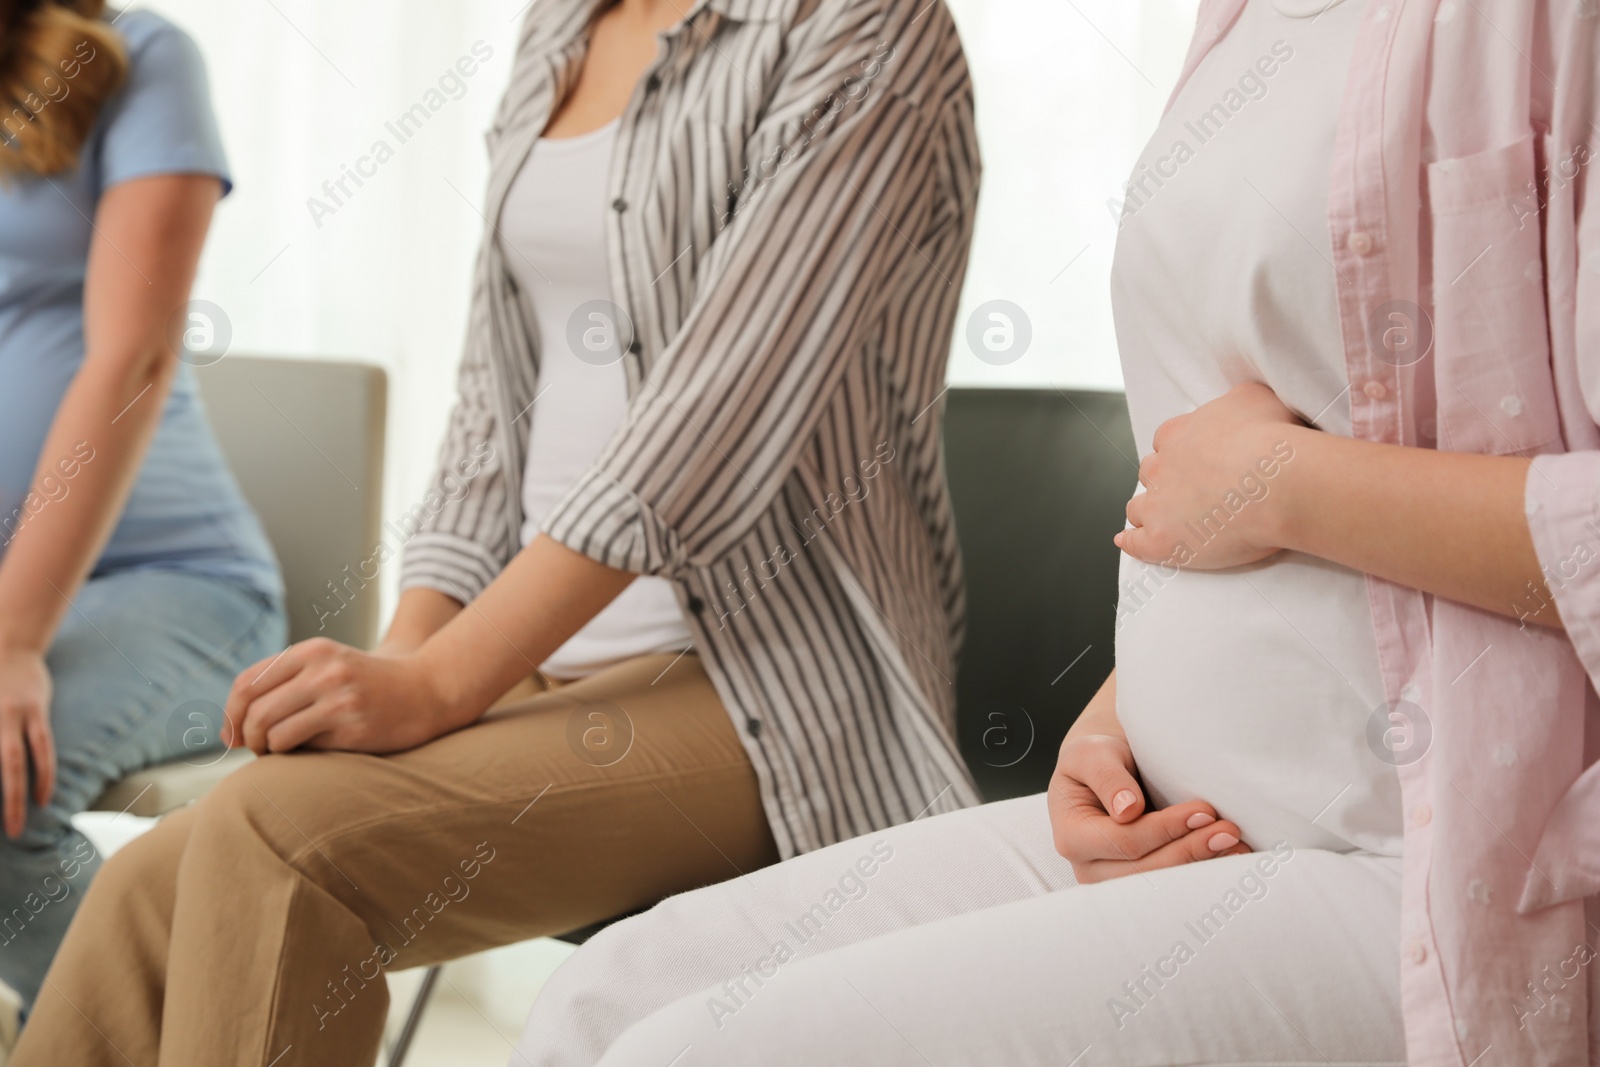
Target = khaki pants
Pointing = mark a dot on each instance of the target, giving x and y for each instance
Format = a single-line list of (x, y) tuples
[(251, 928)]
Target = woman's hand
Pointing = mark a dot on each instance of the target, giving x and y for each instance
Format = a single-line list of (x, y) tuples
[(24, 732), (1208, 482), (1097, 812), (323, 695)]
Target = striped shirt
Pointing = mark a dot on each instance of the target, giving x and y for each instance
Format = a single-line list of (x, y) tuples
[(792, 199)]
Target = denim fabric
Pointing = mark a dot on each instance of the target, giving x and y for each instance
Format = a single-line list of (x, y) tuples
[(141, 667)]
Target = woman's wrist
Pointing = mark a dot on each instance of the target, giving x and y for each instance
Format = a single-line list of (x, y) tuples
[(1294, 452), (452, 689)]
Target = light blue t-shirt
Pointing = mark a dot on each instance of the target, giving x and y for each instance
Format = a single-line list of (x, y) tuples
[(185, 511)]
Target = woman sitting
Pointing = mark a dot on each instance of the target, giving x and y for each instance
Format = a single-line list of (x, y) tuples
[(1358, 307), (134, 580)]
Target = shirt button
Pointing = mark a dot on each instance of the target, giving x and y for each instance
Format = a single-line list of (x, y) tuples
[(1416, 951), (696, 605), (1375, 390), (1421, 815), (753, 726), (619, 205), (1511, 405), (652, 83), (635, 348), (1360, 243)]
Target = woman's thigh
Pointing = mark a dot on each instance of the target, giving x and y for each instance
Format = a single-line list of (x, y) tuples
[(730, 940), (141, 667), (1286, 958)]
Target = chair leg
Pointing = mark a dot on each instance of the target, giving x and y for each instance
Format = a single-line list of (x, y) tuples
[(402, 1044)]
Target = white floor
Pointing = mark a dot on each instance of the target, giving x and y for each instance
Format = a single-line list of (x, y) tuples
[(478, 1007)]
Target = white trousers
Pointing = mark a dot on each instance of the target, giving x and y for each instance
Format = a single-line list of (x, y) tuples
[(963, 939)]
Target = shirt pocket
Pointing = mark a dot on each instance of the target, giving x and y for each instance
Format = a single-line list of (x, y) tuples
[(1496, 393), (697, 182)]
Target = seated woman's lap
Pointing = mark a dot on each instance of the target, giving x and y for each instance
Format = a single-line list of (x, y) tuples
[(972, 944)]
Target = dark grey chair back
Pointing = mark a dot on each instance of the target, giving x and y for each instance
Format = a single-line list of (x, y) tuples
[(1040, 478)]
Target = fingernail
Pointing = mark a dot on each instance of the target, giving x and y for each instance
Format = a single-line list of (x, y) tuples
[(1199, 819), (1123, 801), (1222, 842)]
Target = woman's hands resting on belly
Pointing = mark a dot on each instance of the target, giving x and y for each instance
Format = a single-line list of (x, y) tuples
[(1208, 480), (1097, 807), (1241, 477)]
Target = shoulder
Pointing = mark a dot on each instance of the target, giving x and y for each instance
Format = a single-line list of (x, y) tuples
[(155, 45), (909, 48), (161, 120)]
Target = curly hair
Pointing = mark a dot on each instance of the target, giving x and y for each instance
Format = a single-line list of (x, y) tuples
[(59, 64)]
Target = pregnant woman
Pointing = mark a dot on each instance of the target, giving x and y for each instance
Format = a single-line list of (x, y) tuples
[(134, 580), (1358, 306), (692, 514)]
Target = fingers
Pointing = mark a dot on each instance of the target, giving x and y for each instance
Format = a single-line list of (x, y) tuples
[(299, 728), (13, 769), (266, 712), (1137, 508), (1167, 431), (1105, 764), (1142, 545), (42, 745), (1086, 834), (1147, 470), (259, 679), (1211, 841)]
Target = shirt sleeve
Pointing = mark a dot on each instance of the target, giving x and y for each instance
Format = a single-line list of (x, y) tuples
[(161, 121), (840, 218), (1562, 494)]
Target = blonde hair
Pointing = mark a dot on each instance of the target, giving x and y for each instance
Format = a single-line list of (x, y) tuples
[(59, 64)]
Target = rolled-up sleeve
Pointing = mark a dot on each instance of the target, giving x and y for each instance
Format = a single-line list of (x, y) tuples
[(794, 293), (1563, 491), (1563, 504)]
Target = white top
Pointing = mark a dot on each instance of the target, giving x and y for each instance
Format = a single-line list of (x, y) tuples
[(1250, 688), (552, 228)]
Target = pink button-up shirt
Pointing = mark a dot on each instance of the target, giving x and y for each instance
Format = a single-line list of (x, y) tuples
[(1468, 264)]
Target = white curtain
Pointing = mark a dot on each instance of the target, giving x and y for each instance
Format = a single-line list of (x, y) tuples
[(307, 261)]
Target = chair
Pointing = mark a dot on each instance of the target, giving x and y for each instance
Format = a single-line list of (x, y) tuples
[(305, 440), (1039, 478)]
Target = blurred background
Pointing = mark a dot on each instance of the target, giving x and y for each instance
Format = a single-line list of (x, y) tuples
[(1068, 91)]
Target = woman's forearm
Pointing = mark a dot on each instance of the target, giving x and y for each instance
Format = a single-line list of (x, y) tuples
[(100, 434), (543, 597), (1448, 523), (420, 614), (147, 238)]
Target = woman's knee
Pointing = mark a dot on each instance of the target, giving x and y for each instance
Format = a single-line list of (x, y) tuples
[(249, 812), (623, 974)]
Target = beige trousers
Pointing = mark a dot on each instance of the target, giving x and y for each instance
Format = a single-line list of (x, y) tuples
[(253, 927)]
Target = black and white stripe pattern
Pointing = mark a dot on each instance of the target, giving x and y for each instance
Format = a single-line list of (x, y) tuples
[(793, 193)]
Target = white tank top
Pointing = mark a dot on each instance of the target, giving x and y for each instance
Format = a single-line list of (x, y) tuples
[(1251, 688), (552, 229)]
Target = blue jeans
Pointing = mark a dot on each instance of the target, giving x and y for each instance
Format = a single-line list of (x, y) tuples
[(141, 667)]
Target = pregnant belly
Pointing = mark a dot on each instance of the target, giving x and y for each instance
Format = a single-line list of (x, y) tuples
[(1251, 689)]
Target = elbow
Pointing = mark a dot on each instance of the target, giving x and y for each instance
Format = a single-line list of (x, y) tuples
[(126, 378)]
